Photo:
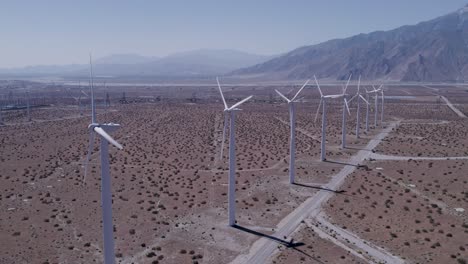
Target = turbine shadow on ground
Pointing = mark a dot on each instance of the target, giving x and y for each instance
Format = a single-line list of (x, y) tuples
[(288, 244), (358, 148), (320, 188), (341, 163)]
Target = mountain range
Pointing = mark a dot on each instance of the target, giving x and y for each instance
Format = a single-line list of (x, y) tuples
[(197, 63), (435, 50)]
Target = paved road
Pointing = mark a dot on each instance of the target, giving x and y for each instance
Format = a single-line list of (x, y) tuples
[(391, 157), (264, 248), (343, 238), (454, 109)]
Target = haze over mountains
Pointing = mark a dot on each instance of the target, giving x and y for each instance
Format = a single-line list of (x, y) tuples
[(204, 62), (435, 50)]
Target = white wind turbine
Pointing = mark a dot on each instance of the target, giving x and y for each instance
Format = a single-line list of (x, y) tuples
[(323, 100), (367, 111), (358, 115), (376, 102), (78, 100), (106, 196), (1, 108), (28, 106), (232, 156), (292, 121), (382, 111)]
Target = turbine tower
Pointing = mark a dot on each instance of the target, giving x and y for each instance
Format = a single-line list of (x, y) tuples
[(358, 114), (382, 110), (292, 121), (367, 111), (376, 102), (1, 117), (323, 100), (343, 122), (231, 111), (106, 196), (28, 106)]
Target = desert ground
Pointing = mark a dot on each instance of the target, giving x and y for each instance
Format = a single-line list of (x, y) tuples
[(396, 194)]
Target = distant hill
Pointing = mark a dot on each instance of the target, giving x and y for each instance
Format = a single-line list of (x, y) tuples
[(435, 50), (203, 62), (124, 59)]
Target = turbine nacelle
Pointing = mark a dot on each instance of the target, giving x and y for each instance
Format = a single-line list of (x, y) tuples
[(227, 110)]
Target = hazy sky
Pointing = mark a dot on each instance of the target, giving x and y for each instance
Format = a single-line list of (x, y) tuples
[(63, 32)]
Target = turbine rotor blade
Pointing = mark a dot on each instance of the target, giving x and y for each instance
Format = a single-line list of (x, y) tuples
[(107, 137), (352, 98), (303, 86), (362, 97), (88, 155), (347, 83), (318, 86), (239, 103), (318, 110), (91, 84), (221, 92), (224, 134), (346, 105), (282, 96), (359, 84)]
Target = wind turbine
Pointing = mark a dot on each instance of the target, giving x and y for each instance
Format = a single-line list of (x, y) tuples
[(382, 111), (292, 121), (77, 99), (358, 115), (345, 107), (376, 102), (367, 110), (323, 100), (28, 106), (1, 108), (106, 196), (231, 111)]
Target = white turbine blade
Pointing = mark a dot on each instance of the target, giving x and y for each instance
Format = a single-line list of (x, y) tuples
[(347, 83), (303, 86), (333, 96), (84, 93), (282, 96), (352, 98), (300, 98), (346, 105), (88, 155), (241, 102), (93, 109), (318, 86), (224, 134), (380, 86), (107, 137), (359, 84), (318, 110), (221, 92), (362, 97)]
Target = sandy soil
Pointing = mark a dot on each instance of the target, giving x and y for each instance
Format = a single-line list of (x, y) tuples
[(169, 182)]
